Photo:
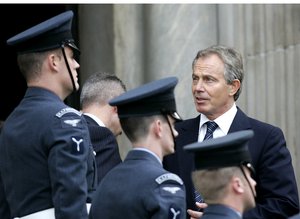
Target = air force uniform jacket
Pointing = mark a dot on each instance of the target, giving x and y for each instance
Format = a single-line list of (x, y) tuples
[(46, 159), (139, 188), (216, 211)]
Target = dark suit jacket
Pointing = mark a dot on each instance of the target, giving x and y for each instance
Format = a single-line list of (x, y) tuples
[(106, 147), (277, 195)]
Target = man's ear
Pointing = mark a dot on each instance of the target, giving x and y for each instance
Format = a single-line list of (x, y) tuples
[(52, 60), (234, 87), (115, 109), (157, 126), (237, 185)]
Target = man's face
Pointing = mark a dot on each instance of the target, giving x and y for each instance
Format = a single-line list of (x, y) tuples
[(212, 95), (115, 124), (169, 127), (73, 67), (250, 192)]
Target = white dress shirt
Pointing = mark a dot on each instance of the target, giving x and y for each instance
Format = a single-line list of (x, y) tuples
[(224, 122)]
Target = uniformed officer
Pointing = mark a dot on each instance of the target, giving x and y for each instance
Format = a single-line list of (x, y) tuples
[(140, 187), (223, 175), (46, 158)]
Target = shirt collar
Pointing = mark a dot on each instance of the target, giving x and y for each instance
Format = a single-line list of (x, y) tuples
[(224, 121), (95, 118)]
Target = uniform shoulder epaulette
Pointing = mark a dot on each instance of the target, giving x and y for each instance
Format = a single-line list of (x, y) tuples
[(168, 177), (67, 110)]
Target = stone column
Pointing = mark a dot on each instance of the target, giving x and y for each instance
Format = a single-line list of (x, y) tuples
[(95, 28), (173, 35)]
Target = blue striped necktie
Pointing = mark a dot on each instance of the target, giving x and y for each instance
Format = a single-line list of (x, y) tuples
[(210, 128)]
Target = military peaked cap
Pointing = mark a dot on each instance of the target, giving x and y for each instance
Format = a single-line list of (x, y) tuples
[(50, 34), (154, 98), (229, 150)]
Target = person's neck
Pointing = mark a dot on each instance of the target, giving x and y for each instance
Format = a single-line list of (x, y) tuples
[(51, 86), (220, 112), (234, 203), (153, 147)]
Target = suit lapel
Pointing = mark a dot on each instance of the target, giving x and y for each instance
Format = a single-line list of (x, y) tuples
[(190, 130), (240, 122)]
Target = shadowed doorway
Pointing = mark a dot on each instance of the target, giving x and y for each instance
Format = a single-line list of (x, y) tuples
[(15, 18)]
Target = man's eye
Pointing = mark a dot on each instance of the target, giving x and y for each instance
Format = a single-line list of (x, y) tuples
[(209, 79)]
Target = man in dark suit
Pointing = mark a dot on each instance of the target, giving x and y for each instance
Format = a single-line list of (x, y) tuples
[(140, 187), (225, 179), (102, 119), (216, 85)]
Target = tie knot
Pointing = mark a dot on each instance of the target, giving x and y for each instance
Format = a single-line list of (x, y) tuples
[(211, 125), (210, 128)]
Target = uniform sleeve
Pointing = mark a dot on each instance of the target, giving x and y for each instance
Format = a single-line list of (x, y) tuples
[(168, 198), (276, 181), (68, 166), (4, 207)]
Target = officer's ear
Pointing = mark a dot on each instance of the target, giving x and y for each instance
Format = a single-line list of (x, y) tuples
[(157, 127), (237, 185), (53, 59)]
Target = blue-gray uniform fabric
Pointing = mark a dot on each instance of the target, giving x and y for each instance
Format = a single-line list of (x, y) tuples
[(46, 159), (139, 188), (217, 211), (106, 147), (297, 216)]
